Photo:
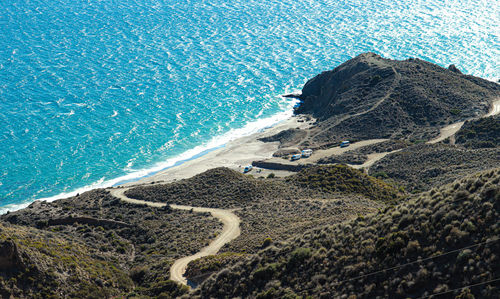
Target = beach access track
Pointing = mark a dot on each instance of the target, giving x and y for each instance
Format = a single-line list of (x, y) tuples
[(230, 231)]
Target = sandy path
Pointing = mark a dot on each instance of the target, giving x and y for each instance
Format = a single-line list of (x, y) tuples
[(372, 158), (319, 154), (230, 231), (446, 132), (495, 109)]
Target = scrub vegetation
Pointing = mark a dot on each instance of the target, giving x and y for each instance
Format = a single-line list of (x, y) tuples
[(438, 242)]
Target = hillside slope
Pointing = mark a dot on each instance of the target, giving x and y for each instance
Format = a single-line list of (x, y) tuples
[(423, 166), (279, 207), (41, 264), (436, 243), (372, 97), (95, 246), (480, 133), (217, 188), (343, 179)]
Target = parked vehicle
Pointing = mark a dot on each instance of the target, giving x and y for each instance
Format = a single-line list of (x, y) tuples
[(306, 153), (247, 168), (345, 143), (296, 157)]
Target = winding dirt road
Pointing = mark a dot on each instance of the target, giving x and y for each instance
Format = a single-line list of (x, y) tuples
[(446, 132), (230, 231)]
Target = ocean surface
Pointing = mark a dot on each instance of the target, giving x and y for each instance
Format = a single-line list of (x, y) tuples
[(94, 93)]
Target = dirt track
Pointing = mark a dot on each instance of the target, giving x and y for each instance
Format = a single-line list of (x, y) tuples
[(230, 231)]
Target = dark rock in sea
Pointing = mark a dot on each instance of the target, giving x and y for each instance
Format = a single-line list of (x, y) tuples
[(454, 69), (292, 95)]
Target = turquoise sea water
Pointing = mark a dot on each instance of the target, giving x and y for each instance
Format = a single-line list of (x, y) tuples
[(96, 92)]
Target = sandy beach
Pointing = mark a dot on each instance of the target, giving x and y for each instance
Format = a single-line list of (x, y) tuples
[(236, 154)]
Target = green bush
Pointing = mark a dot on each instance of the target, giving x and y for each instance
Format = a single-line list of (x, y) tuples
[(265, 273), (267, 242), (375, 79), (299, 255), (381, 174), (138, 273)]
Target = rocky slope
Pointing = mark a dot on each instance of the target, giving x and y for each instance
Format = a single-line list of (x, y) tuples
[(436, 243), (480, 133), (422, 166), (372, 97)]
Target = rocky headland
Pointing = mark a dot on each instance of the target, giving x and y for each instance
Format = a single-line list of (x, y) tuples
[(371, 97)]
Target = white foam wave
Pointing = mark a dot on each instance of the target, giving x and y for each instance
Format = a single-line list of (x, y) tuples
[(13, 207), (217, 142)]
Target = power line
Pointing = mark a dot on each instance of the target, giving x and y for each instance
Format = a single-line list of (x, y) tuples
[(414, 262), (417, 261), (457, 289)]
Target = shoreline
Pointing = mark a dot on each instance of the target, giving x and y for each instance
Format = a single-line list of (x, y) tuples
[(235, 154), (243, 151)]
